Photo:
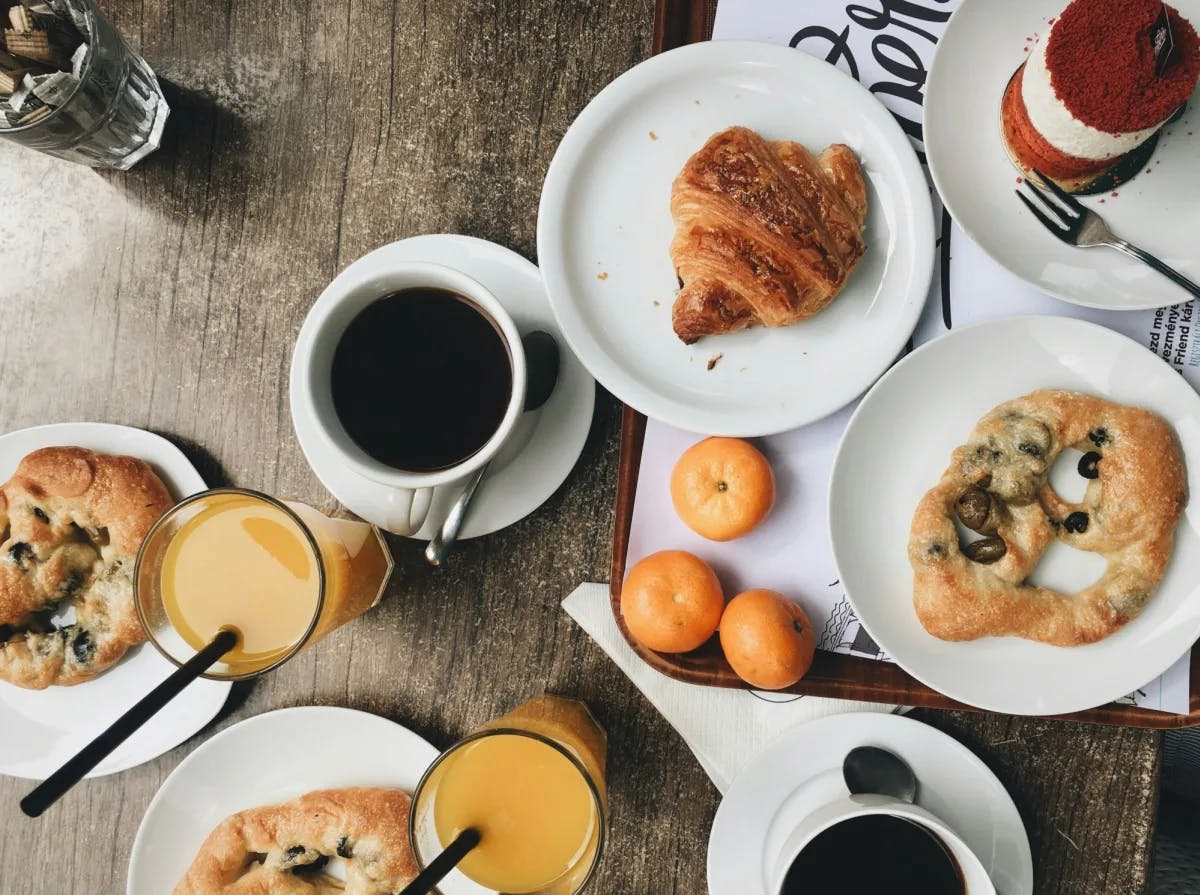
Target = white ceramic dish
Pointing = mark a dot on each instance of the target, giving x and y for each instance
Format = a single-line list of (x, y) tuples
[(802, 771), (896, 447), (983, 44), (266, 759), (543, 448), (604, 227), (43, 728)]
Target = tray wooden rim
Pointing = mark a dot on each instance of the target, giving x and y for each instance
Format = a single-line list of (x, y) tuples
[(833, 675)]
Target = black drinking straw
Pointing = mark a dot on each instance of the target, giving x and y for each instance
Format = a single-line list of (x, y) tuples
[(443, 863), (57, 784)]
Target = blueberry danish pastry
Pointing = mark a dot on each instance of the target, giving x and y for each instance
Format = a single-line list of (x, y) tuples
[(71, 523)]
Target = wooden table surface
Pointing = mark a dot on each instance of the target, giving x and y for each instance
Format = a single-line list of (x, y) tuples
[(303, 135)]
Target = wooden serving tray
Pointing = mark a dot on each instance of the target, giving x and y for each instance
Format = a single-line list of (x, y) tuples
[(832, 674), (679, 22)]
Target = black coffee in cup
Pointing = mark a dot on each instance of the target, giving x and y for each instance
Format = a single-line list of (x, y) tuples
[(875, 854), (421, 379)]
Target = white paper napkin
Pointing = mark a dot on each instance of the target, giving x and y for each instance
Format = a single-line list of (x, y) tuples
[(724, 728)]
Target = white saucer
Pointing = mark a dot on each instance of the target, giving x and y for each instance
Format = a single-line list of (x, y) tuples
[(802, 771), (983, 44), (897, 445), (43, 728), (546, 443), (604, 227), (263, 760)]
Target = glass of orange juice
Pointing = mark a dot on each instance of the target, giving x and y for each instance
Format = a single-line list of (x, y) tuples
[(280, 574), (532, 784)]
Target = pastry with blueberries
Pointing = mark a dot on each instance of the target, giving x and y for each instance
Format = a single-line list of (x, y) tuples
[(71, 523)]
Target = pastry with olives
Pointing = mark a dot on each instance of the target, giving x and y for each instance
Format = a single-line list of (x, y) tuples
[(997, 487), (71, 523), (284, 849)]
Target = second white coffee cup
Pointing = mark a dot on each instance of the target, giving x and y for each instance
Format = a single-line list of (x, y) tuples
[(975, 878), (406, 494)]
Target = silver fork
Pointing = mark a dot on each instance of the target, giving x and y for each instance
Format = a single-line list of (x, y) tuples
[(1078, 225)]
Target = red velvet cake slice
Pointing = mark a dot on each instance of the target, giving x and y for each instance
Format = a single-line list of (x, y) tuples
[(1093, 92)]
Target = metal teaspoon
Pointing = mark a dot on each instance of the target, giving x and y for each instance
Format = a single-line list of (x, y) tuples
[(541, 363)]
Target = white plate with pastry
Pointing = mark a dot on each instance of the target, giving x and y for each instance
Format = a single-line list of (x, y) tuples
[(1154, 206), (48, 726), (256, 764), (1045, 537), (757, 230)]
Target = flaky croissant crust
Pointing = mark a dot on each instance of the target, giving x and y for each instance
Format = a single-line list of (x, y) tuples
[(765, 233)]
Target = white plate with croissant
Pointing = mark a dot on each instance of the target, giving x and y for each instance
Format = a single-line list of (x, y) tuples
[(736, 238)]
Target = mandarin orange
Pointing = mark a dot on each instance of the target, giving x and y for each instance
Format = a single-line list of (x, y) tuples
[(767, 639), (722, 488), (672, 601)]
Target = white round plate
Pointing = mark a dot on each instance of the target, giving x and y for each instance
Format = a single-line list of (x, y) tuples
[(546, 443), (604, 227), (43, 728), (263, 760), (983, 44), (897, 445), (802, 770)]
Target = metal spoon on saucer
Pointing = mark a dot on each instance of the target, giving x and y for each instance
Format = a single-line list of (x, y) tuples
[(541, 364), (869, 769)]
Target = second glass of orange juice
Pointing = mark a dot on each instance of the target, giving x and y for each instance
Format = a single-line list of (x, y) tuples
[(280, 574), (532, 784)]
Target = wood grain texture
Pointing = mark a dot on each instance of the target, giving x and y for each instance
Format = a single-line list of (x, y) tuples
[(304, 135), (1087, 795)]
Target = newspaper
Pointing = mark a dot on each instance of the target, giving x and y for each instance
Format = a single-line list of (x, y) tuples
[(848, 35)]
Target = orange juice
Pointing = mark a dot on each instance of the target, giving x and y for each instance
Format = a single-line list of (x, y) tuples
[(244, 564), (241, 561), (531, 805), (569, 723), (357, 566), (532, 784)]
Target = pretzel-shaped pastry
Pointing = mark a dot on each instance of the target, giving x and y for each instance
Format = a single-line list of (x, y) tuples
[(280, 849), (71, 523), (997, 486)]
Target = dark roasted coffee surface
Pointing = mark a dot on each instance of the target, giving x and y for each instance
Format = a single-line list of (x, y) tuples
[(421, 379), (874, 855)]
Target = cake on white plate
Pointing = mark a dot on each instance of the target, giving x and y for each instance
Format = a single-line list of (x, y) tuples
[(1084, 106)]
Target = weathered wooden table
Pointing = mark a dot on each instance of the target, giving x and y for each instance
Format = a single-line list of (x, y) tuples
[(303, 135)]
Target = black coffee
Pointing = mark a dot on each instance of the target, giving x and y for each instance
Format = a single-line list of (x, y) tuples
[(875, 854), (421, 379)]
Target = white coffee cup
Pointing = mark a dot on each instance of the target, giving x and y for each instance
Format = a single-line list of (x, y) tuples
[(975, 878), (406, 494)]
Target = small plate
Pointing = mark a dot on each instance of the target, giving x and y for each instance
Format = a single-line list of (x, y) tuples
[(604, 227), (897, 445), (982, 46), (263, 760), (46, 727), (543, 448), (802, 770)]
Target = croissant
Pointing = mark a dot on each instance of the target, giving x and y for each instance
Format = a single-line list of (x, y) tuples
[(765, 233)]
